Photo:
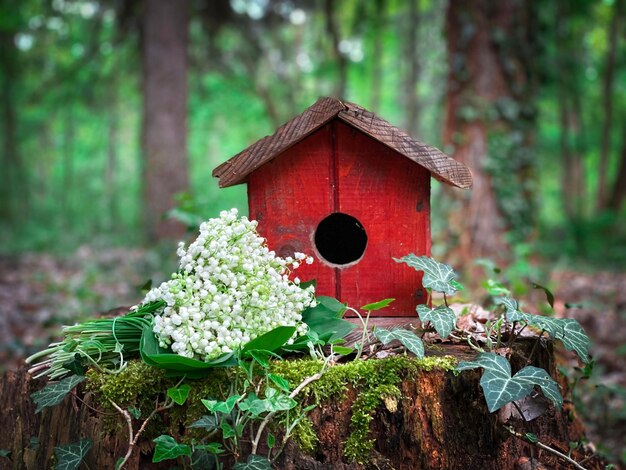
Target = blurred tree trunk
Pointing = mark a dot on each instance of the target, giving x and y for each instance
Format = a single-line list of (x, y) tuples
[(67, 160), (112, 158), (489, 112), (413, 70), (570, 114), (378, 26), (619, 186), (12, 181), (164, 127), (332, 29), (607, 104)]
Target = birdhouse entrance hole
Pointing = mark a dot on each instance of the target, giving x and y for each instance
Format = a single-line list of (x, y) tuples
[(340, 239)]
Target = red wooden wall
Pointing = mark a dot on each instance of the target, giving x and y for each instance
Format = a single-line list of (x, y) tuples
[(340, 169)]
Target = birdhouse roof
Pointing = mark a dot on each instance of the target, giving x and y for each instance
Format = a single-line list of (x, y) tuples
[(441, 166)]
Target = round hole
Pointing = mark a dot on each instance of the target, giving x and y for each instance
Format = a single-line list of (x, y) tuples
[(340, 239)]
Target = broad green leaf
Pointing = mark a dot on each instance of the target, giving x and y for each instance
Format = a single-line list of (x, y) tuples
[(442, 318), (227, 430), (280, 402), (153, 355), (495, 288), (511, 309), (254, 405), (280, 382), (437, 276), (179, 394), (343, 350), (409, 340), (255, 462), (261, 357), (377, 305), (270, 341), (305, 284), (54, 393), (500, 388), (70, 456), (202, 460), (209, 423), (332, 304), (167, 448), (325, 321), (225, 406)]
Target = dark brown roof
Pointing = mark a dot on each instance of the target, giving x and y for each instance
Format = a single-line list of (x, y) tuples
[(441, 166)]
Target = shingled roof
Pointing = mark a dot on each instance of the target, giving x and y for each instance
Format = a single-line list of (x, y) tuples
[(441, 166)]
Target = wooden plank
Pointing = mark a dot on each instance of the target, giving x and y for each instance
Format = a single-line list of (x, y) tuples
[(289, 196), (390, 196)]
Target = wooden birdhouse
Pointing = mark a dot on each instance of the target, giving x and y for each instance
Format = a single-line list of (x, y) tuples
[(347, 187)]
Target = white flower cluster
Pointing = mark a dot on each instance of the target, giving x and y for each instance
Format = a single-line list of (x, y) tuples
[(230, 289)]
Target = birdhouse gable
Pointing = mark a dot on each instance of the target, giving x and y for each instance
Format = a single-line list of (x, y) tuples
[(442, 167)]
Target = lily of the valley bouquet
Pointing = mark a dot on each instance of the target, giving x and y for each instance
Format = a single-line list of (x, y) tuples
[(229, 290)]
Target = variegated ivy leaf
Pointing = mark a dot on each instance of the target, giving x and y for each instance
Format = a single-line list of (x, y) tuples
[(575, 339), (70, 456), (54, 393), (409, 340), (500, 388), (437, 276), (513, 313), (442, 318)]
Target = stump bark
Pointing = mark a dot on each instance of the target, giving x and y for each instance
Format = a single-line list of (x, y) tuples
[(440, 421)]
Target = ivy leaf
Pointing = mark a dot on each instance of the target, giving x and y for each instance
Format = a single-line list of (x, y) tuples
[(511, 308), (135, 412), (255, 462), (5, 453), (53, 394), (575, 339), (271, 440), (202, 460), (70, 456), (179, 394), (212, 447), (500, 388), (442, 318), (205, 422), (407, 339), (377, 305), (167, 448), (437, 276), (221, 406)]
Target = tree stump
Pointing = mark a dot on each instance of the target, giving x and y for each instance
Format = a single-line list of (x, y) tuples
[(440, 420)]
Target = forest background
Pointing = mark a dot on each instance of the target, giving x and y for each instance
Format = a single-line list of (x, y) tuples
[(114, 114)]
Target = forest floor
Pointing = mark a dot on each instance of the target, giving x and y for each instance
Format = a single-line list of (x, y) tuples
[(39, 293)]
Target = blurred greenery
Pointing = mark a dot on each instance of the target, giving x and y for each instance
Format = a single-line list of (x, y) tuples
[(71, 78)]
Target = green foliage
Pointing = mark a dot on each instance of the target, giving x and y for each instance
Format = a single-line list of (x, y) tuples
[(69, 457), (442, 318), (501, 388), (179, 394), (167, 448), (54, 393), (437, 276), (254, 462), (408, 339)]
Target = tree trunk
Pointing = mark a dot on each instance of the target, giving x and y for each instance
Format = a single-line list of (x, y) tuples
[(440, 420), (607, 105), (619, 186), (489, 121), (413, 70), (332, 29), (378, 26), (164, 127)]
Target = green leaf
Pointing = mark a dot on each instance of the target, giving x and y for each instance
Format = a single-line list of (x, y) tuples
[(227, 430), (495, 288), (153, 355), (202, 460), (254, 405), (549, 295), (179, 394), (280, 402), (167, 448), (5, 453), (280, 382), (209, 423), (271, 440), (270, 341), (70, 456), (135, 412), (54, 393), (343, 350), (212, 447), (332, 304), (325, 321), (377, 305), (409, 340), (500, 388), (305, 284), (442, 318), (437, 276), (225, 406), (255, 462), (575, 339)]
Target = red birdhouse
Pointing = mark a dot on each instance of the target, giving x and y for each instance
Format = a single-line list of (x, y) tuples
[(344, 185)]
